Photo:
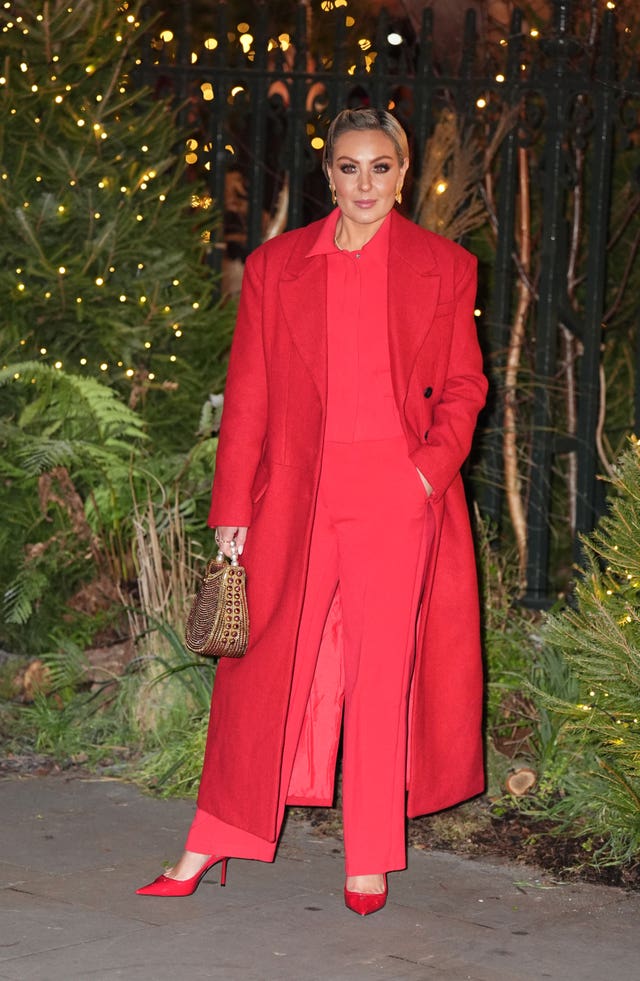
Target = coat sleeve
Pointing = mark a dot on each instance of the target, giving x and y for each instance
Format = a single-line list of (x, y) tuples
[(448, 440), (244, 415)]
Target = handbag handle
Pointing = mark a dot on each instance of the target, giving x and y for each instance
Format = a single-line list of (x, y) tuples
[(234, 554)]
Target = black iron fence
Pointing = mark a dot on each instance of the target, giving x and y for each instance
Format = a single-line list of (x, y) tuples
[(258, 105)]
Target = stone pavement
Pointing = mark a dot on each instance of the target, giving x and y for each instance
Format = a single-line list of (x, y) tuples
[(73, 850)]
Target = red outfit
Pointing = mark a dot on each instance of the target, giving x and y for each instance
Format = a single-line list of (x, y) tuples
[(367, 485), (273, 475)]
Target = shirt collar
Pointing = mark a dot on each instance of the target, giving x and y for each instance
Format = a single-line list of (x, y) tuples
[(325, 242), (377, 247)]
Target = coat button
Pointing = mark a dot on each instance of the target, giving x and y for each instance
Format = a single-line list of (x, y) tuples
[(428, 392)]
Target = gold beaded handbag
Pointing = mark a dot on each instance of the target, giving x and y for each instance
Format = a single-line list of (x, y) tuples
[(218, 622)]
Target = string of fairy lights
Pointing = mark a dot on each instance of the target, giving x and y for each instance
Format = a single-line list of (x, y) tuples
[(87, 117), (245, 39)]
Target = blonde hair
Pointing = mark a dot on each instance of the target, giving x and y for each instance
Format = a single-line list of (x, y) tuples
[(361, 119)]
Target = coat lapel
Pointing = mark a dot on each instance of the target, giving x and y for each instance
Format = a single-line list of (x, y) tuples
[(303, 305), (414, 289)]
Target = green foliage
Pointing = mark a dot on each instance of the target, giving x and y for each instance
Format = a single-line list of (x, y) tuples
[(92, 194), (65, 420), (71, 721), (596, 643), (73, 460), (506, 629), (66, 438), (110, 339), (154, 715), (22, 594), (103, 244), (529, 685), (175, 744)]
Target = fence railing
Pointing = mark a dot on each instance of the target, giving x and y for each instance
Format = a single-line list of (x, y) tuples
[(259, 108)]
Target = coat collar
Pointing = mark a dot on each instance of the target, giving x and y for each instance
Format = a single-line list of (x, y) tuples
[(414, 285), (407, 243), (410, 245)]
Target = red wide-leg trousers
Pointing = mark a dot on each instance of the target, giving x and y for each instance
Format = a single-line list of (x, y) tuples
[(370, 535)]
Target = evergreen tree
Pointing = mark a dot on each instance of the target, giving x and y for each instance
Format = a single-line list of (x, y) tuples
[(107, 300), (598, 640), (102, 255)]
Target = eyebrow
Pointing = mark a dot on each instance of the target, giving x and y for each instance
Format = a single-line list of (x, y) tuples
[(384, 156)]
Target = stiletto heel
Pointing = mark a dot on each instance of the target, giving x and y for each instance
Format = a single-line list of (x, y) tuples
[(364, 903), (168, 887)]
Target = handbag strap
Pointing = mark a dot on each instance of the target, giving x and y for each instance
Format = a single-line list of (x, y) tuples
[(234, 554)]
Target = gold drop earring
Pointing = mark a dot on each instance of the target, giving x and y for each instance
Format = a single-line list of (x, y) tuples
[(399, 195), (334, 197)]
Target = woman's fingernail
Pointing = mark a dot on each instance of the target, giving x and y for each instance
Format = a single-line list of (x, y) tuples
[(240, 549)]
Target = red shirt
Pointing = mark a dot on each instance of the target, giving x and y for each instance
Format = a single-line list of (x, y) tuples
[(360, 400)]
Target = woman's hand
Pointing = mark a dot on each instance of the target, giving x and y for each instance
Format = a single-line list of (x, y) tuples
[(226, 534), (425, 482)]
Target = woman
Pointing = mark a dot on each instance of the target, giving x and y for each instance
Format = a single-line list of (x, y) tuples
[(354, 384)]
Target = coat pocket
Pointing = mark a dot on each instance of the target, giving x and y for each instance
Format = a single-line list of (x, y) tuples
[(260, 483)]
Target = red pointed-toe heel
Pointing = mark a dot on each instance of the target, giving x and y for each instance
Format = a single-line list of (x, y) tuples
[(364, 903), (165, 886)]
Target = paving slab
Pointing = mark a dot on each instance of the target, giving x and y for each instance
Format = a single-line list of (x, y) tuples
[(73, 850)]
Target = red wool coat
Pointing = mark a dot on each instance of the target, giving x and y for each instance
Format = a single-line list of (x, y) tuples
[(267, 472)]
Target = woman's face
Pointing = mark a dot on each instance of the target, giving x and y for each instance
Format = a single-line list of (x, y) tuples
[(366, 174)]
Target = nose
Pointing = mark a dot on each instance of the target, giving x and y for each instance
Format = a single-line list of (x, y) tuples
[(365, 180)]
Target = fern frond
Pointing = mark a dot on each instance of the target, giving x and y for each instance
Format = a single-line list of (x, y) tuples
[(66, 666), (22, 595), (40, 455), (84, 406)]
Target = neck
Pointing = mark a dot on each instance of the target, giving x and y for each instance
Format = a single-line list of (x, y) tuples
[(351, 236)]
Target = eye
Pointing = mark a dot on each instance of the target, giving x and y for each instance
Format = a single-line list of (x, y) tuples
[(348, 168), (382, 168)]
